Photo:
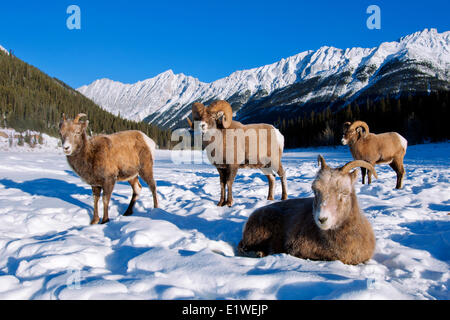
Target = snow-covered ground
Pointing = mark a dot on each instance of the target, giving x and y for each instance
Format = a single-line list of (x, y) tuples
[(48, 250), (10, 141)]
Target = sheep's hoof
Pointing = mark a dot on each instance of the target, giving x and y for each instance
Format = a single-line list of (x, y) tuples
[(284, 197), (105, 220), (230, 203), (221, 203), (260, 254), (270, 198), (128, 213), (95, 221)]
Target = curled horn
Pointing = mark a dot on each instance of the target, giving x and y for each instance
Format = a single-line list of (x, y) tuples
[(358, 163), (321, 161), (77, 118), (357, 124), (190, 123), (198, 108), (225, 108)]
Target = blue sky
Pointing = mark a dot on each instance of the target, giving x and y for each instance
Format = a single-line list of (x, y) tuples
[(131, 40)]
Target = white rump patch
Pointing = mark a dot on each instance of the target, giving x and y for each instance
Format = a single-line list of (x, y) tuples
[(280, 138), (150, 143), (403, 142)]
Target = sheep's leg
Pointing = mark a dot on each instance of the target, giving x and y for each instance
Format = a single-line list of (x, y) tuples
[(282, 174), (369, 174), (397, 166), (107, 191), (96, 191), (222, 174), (230, 179), (136, 191), (147, 174), (271, 179), (363, 175)]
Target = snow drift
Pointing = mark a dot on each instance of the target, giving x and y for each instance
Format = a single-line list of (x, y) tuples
[(186, 249)]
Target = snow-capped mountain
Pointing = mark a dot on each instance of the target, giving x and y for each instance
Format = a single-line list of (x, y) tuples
[(419, 62), (4, 50)]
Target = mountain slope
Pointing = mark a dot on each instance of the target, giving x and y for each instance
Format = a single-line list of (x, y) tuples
[(329, 76), (3, 50), (32, 100)]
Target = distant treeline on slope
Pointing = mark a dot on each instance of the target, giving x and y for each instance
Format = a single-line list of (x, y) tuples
[(30, 99), (419, 118)]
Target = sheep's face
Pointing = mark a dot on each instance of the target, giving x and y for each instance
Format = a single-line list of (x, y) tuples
[(217, 116), (332, 197), (71, 134), (205, 121), (349, 135)]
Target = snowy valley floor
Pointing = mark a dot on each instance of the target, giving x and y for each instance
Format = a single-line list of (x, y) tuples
[(186, 249)]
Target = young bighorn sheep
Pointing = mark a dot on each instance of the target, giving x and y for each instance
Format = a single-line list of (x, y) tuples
[(260, 147), (389, 147), (104, 159), (328, 227)]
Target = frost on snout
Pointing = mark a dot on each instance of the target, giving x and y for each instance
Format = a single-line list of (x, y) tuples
[(200, 127), (67, 148), (323, 218), (325, 214)]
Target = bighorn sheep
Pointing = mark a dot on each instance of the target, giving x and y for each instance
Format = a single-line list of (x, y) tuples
[(328, 227), (389, 147), (257, 146), (104, 159)]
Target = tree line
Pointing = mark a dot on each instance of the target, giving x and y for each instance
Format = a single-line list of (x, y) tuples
[(32, 100), (419, 118)]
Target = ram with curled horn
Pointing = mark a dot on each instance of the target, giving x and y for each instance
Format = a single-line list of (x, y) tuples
[(329, 226), (388, 148), (232, 145)]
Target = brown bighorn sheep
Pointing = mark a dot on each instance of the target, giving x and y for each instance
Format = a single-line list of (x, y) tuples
[(328, 227), (389, 147), (261, 146), (104, 159)]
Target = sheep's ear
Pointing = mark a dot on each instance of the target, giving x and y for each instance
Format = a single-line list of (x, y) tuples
[(354, 176), (85, 124), (63, 118), (361, 131), (321, 162)]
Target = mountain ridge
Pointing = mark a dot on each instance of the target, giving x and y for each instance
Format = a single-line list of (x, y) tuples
[(326, 76)]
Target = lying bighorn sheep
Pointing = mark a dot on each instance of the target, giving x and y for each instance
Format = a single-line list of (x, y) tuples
[(104, 159), (329, 226), (389, 147), (261, 146)]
